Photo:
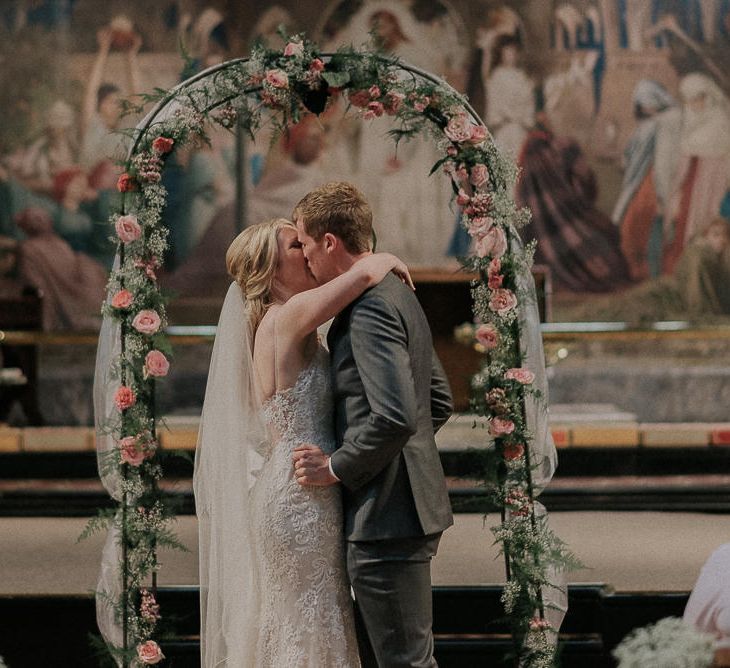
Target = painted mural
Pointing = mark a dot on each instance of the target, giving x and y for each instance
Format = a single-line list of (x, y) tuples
[(617, 111)]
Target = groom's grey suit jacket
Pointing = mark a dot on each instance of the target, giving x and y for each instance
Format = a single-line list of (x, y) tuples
[(391, 396)]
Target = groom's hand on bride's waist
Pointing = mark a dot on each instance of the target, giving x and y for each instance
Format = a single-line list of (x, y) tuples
[(312, 466)]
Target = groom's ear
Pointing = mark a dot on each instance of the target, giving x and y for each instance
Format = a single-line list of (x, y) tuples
[(330, 242)]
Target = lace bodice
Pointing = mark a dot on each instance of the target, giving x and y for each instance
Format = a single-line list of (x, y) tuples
[(304, 411)]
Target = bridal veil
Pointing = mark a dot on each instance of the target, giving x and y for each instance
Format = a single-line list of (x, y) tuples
[(229, 455)]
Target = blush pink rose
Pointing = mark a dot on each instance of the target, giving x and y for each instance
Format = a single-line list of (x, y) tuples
[(420, 105), (146, 322), (494, 277), (479, 175), (316, 65), (495, 281), (374, 91), (128, 228), (487, 335), (129, 451), (462, 199), (124, 398), (451, 150), (537, 624), (162, 145), (458, 129), (359, 98), (478, 134), (502, 301), (126, 183), (501, 426), (277, 78), (122, 299), (513, 451), (492, 243), (393, 102), (521, 375), (149, 652), (374, 110), (478, 227), (294, 49), (156, 364)]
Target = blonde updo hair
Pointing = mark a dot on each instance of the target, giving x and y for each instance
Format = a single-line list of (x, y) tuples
[(251, 260)]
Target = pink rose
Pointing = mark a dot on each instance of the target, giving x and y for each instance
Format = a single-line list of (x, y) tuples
[(162, 145), (487, 335), (393, 102), (126, 183), (462, 199), (122, 299), (293, 49), (360, 98), (451, 150), (420, 105), (478, 227), (277, 78), (495, 281), (128, 228), (146, 322), (537, 624), (149, 652), (129, 451), (494, 278), (502, 301), (513, 451), (156, 364), (458, 129), (478, 134), (479, 175), (374, 110), (374, 91), (124, 398), (493, 242), (521, 375), (501, 426), (316, 65)]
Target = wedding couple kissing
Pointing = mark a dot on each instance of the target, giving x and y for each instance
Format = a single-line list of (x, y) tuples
[(317, 475)]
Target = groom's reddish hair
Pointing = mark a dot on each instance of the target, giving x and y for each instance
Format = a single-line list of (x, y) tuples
[(339, 208)]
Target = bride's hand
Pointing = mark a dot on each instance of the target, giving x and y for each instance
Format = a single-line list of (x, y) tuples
[(380, 264)]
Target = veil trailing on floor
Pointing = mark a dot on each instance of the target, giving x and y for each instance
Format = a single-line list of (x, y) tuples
[(231, 445)]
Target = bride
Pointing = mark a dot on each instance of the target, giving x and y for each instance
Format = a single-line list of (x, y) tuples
[(273, 585)]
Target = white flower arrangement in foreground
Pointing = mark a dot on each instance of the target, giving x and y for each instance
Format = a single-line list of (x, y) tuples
[(670, 643)]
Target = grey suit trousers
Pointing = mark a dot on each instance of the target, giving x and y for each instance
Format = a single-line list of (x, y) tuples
[(392, 584)]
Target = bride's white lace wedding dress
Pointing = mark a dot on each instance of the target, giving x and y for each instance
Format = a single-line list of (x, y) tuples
[(306, 617)]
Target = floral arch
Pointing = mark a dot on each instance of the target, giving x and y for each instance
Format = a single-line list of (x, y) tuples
[(134, 352)]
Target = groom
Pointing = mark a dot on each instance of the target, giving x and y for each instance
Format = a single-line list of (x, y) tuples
[(391, 396)]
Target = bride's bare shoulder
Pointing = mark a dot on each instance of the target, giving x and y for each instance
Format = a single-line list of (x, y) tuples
[(266, 330)]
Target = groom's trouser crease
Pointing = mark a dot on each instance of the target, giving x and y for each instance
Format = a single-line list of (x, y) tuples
[(391, 580)]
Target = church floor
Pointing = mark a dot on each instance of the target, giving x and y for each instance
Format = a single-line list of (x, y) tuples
[(632, 551)]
